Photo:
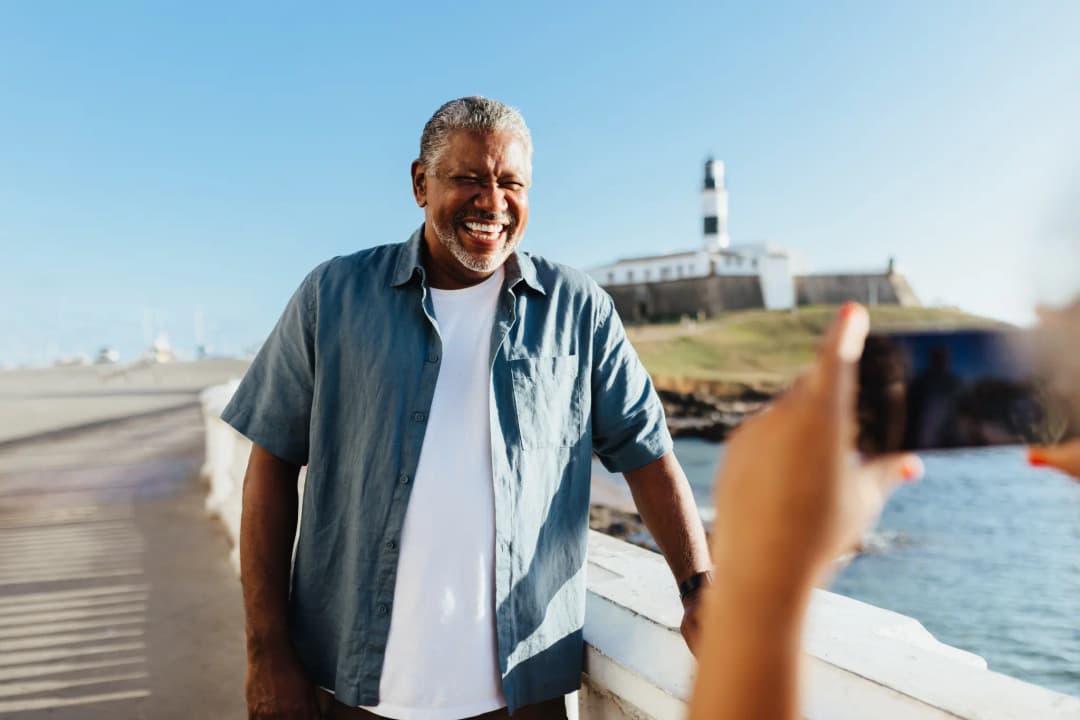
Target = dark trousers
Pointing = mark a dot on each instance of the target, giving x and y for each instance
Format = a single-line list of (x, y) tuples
[(554, 709)]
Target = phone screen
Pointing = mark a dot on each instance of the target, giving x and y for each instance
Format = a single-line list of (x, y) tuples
[(950, 389)]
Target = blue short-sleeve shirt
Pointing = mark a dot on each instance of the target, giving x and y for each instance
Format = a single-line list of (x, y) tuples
[(344, 384)]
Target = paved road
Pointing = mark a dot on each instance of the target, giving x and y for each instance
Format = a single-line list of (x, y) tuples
[(117, 599)]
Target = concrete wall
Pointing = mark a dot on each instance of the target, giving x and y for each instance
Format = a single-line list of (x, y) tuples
[(861, 661), (870, 289), (642, 302)]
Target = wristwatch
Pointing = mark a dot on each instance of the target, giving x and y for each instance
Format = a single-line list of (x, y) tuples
[(695, 582)]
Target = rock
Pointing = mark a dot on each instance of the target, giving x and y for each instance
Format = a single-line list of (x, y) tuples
[(623, 525), (709, 417)]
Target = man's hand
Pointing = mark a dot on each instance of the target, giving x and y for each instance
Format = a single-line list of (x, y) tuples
[(691, 627), (277, 688)]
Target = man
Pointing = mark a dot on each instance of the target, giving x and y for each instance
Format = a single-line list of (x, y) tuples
[(446, 395)]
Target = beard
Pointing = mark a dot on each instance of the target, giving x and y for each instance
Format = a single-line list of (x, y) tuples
[(447, 235)]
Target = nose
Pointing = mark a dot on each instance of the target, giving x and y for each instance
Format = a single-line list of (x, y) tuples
[(491, 198)]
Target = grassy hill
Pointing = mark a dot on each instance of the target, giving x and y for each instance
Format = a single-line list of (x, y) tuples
[(762, 348)]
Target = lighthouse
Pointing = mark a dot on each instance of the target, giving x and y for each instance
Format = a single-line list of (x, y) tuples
[(714, 207)]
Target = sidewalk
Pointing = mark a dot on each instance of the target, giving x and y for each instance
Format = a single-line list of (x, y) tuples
[(117, 599), (34, 402)]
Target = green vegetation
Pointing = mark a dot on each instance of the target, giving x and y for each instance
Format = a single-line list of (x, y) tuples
[(762, 347)]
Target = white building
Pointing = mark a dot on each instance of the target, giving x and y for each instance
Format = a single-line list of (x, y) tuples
[(771, 264)]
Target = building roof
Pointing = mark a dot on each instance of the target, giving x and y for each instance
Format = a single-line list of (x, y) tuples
[(667, 256)]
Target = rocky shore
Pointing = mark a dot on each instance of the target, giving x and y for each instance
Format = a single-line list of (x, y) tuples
[(710, 412), (621, 524)]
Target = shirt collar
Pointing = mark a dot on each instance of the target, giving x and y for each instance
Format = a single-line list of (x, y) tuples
[(519, 266), (408, 259)]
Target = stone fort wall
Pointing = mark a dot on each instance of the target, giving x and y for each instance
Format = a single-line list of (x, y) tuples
[(708, 296), (672, 299)]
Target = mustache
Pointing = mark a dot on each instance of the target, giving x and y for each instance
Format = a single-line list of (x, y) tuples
[(481, 216)]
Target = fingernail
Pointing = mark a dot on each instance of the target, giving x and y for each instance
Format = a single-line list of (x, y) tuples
[(857, 323), (911, 471), (1036, 458)]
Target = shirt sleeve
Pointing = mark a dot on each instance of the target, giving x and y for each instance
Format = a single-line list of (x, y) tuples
[(628, 424), (272, 406)]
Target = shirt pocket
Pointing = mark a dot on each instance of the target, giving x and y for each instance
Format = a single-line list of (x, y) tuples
[(548, 399)]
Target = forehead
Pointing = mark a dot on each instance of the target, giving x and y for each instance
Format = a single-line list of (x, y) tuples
[(500, 151)]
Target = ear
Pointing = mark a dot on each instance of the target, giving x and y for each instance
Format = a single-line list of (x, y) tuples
[(419, 183)]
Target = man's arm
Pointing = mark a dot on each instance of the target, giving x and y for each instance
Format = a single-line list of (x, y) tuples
[(666, 504), (277, 685)]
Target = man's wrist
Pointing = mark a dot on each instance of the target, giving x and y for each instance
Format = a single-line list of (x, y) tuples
[(268, 645)]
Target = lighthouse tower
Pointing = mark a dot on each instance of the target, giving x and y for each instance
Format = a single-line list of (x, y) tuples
[(714, 206)]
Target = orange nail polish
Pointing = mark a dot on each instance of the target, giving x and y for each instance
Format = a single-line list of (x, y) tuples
[(846, 310), (1036, 458), (910, 472)]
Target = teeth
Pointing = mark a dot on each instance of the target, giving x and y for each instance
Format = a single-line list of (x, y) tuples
[(483, 227)]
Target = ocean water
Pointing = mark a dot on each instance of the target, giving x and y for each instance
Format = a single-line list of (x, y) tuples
[(984, 551)]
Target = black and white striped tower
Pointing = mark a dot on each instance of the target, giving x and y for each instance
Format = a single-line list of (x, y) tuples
[(714, 206)]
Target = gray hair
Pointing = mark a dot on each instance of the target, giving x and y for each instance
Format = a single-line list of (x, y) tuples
[(470, 113)]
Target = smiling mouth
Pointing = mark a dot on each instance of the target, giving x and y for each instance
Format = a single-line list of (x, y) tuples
[(486, 233)]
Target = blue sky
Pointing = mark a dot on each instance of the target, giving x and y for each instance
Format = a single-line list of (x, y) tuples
[(184, 157)]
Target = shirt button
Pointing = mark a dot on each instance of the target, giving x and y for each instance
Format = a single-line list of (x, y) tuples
[(391, 545), (433, 358), (403, 478), (419, 416), (381, 610)]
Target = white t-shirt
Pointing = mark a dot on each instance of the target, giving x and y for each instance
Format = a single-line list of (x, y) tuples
[(441, 661)]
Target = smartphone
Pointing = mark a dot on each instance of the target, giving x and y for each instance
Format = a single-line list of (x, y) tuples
[(928, 390)]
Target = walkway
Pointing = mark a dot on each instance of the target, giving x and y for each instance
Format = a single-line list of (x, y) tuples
[(117, 599)]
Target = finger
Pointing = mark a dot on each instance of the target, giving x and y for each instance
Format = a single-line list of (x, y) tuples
[(886, 471), (1064, 457), (836, 372)]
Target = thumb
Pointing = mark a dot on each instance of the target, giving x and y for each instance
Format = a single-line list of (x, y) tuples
[(837, 366)]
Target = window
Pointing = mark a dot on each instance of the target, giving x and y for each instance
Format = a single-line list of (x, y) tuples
[(629, 276), (611, 278), (647, 273), (665, 273), (753, 263), (678, 271)]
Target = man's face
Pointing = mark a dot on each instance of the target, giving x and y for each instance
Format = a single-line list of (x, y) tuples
[(476, 204)]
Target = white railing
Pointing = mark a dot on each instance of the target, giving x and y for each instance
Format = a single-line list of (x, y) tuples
[(862, 661)]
